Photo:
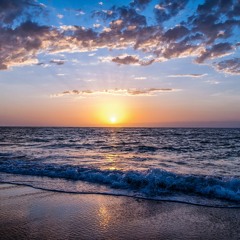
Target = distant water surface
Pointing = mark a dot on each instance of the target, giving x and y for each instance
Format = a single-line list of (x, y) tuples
[(200, 166)]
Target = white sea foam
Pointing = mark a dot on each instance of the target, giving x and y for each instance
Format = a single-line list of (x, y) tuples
[(153, 182)]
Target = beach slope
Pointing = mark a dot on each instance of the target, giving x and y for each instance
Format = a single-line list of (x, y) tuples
[(28, 213)]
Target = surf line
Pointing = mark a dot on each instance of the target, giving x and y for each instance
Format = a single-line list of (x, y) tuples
[(119, 195)]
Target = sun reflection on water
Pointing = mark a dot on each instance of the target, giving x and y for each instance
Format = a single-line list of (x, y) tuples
[(111, 162), (104, 217)]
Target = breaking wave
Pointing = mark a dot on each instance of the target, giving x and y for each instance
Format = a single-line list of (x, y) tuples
[(150, 183)]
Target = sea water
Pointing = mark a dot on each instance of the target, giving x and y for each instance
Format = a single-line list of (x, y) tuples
[(198, 166)]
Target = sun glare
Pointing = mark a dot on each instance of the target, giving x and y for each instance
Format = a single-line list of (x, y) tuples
[(113, 119), (112, 112)]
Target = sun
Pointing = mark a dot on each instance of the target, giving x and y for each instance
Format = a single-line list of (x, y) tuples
[(113, 119), (113, 113)]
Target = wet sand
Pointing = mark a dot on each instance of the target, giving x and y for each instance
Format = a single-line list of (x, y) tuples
[(27, 213)]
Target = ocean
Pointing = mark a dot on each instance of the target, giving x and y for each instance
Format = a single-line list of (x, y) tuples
[(198, 166)]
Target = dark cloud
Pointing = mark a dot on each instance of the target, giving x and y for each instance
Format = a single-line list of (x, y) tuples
[(215, 20), (211, 28), (141, 4), (131, 17), (3, 66), (235, 12), (231, 66), (215, 51), (167, 9), (127, 60), (11, 10), (131, 60), (21, 45), (216, 6), (176, 33), (82, 34), (127, 15), (179, 49)]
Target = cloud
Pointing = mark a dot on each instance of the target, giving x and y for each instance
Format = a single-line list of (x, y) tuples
[(168, 9), (10, 10), (58, 61), (192, 75), (131, 60), (218, 50), (230, 66), (79, 12), (141, 4), (128, 60), (215, 6), (116, 92), (140, 78), (207, 34), (96, 25), (60, 16), (127, 16), (159, 7), (150, 91), (215, 19), (176, 33), (213, 82), (76, 12), (103, 14), (21, 45)]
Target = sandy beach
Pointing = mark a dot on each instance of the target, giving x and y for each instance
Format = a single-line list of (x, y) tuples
[(28, 213)]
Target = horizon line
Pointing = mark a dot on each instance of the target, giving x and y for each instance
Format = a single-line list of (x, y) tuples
[(236, 125)]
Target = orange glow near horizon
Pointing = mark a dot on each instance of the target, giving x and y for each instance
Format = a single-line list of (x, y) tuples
[(112, 111)]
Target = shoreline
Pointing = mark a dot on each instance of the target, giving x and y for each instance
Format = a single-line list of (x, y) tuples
[(30, 213), (119, 195)]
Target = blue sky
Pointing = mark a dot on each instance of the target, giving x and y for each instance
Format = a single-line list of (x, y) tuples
[(151, 63)]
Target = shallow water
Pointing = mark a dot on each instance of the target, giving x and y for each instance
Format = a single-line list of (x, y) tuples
[(191, 165), (27, 213)]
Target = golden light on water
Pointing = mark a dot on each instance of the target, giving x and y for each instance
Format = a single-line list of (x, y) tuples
[(104, 217)]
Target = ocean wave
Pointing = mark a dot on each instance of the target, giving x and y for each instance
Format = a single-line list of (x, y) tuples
[(153, 182), (143, 148), (39, 140)]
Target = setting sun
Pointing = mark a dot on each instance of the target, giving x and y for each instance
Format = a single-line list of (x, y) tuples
[(112, 112), (113, 119)]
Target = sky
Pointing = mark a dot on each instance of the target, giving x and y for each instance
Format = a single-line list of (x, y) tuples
[(150, 63)]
